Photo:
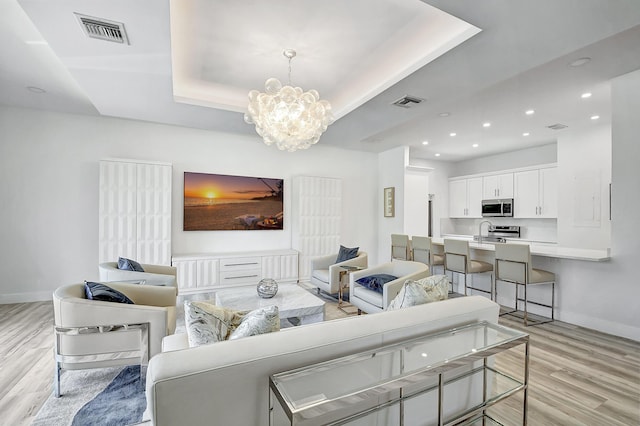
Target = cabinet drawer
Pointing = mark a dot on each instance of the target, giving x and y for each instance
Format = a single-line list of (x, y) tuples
[(240, 263), (247, 276)]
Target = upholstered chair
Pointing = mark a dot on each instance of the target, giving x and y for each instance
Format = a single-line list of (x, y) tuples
[(93, 333), (325, 273), (400, 247), (371, 301), (152, 275), (422, 250)]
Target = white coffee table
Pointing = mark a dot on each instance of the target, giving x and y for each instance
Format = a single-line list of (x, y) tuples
[(296, 306)]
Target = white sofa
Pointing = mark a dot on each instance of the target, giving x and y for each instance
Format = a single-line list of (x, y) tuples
[(371, 301), (227, 383), (325, 272), (152, 275)]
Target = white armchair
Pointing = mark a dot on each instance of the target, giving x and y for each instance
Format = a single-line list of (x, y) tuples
[(152, 275), (371, 301), (93, 333), (325, 273)]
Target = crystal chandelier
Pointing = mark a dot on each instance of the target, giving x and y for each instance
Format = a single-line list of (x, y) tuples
[(288, 116)]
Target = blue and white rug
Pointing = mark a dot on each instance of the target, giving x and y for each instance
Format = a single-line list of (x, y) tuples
[(104, 396)]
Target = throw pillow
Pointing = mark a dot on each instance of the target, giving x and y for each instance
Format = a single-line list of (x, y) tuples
[(99, 291), (129, 265), (376, 282), (208, 323), (260, 321), (346, 253), (412, 293), (436, 286)]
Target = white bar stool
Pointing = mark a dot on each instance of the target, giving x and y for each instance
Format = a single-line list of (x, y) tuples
[(422, 251), (513, 265), (400, 248), (457, 259)]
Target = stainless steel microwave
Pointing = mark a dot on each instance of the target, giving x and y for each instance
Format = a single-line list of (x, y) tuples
[(497, 208)]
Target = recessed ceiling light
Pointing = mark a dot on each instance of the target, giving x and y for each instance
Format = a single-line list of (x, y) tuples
[(37, 42), (529, 112), (579, 62), (487, 124), (595, 117), (452, 134), (475, 145), (35, 89), (526, 134), (437, 154), (585, 95), (444, 114), (425, 143)]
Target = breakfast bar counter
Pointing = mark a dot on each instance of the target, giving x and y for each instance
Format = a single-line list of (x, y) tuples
[(538, 249)]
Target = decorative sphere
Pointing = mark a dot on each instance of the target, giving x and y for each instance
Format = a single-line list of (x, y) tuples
[(267, 288)]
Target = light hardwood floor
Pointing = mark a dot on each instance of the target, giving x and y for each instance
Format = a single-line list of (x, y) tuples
[(577, 377)]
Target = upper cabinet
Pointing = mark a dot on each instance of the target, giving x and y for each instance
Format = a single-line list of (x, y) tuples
[(497, 186), (536, 193), (465, 198)]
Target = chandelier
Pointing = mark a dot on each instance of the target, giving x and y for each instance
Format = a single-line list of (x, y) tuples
[(288, 116)]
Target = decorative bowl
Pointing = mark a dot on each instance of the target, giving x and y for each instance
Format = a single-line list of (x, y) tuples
[(267, 288)]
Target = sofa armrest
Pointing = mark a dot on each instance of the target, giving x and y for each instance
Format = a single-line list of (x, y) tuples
[(146, 294), (323, 262)]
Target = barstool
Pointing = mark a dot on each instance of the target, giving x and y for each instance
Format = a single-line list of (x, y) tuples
[(422, 251), (400, 247), (457, 259), (513, 265)]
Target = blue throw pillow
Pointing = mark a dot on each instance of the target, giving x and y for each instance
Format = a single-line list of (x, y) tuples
[(376, 282), (99, 291), (129, 265), (346, 253)]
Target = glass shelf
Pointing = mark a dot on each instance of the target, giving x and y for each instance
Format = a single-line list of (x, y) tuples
[(353, 385)]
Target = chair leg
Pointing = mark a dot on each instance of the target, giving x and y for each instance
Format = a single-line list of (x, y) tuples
[(56, 381), (525, 306), (359, 311)]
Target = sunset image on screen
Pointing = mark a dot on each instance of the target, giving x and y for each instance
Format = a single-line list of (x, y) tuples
[(224, 202)]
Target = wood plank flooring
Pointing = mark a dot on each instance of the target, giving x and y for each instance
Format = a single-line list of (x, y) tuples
[(577, 376)]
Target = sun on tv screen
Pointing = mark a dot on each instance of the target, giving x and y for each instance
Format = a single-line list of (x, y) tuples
[(222, 202)]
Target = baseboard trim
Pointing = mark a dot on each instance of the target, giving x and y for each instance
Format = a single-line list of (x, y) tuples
[(33, 296)]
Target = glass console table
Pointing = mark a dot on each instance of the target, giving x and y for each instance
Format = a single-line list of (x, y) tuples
[(444, 378)]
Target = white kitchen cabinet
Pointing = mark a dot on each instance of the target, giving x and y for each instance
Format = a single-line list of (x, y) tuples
[(497, 186), (465, 198), (536, 193), (210, 271)]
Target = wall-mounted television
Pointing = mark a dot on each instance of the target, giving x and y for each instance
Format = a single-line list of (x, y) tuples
[(223, 202)]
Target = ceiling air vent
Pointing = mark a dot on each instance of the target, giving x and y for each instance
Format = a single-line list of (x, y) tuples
[(103, 29), (557, 126), (407, 101)]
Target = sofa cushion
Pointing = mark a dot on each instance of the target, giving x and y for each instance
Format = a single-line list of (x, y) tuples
[(99, 291), (376, 282), (367, 295), (129, 265), (321, 275), (412, 293), (260, 321), (208, 323), (346, 253)]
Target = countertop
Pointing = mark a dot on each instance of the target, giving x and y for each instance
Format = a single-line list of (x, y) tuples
[(539, 249)]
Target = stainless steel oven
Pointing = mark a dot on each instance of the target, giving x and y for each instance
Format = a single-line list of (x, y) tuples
[(497, 208)]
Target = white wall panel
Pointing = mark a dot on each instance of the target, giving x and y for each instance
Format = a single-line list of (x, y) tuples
[(316, 219), (154, 214)]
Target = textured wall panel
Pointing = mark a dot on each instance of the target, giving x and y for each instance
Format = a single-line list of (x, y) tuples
[(187, 274), (154, 214), (207, 272), (316, 219), (271, 267)]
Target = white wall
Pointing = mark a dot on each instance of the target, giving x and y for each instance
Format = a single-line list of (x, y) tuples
[(438, 185), (543, 154), (584, 174), (49, 191), (391, 166)]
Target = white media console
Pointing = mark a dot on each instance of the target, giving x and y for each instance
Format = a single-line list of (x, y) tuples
[(210, 271)]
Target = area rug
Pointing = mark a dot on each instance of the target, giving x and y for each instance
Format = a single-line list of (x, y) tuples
[(103, 396)]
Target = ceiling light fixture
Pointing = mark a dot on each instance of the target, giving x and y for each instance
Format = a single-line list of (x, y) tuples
[(444, 114), (487, 124), (475, 145), (579, 62), (425, 143), (525, 134), (452, 134), (529, 112), (437, 154), (288, 116), (595, 117), (585, 95)]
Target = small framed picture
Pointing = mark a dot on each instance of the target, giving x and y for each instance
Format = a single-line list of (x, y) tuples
[(389, 202)]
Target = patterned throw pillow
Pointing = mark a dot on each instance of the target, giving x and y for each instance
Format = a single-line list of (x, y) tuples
[(260, 321), (346, 253), (412, 293), (436, 286), (99, 291), (129, 265), (208, 323)]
